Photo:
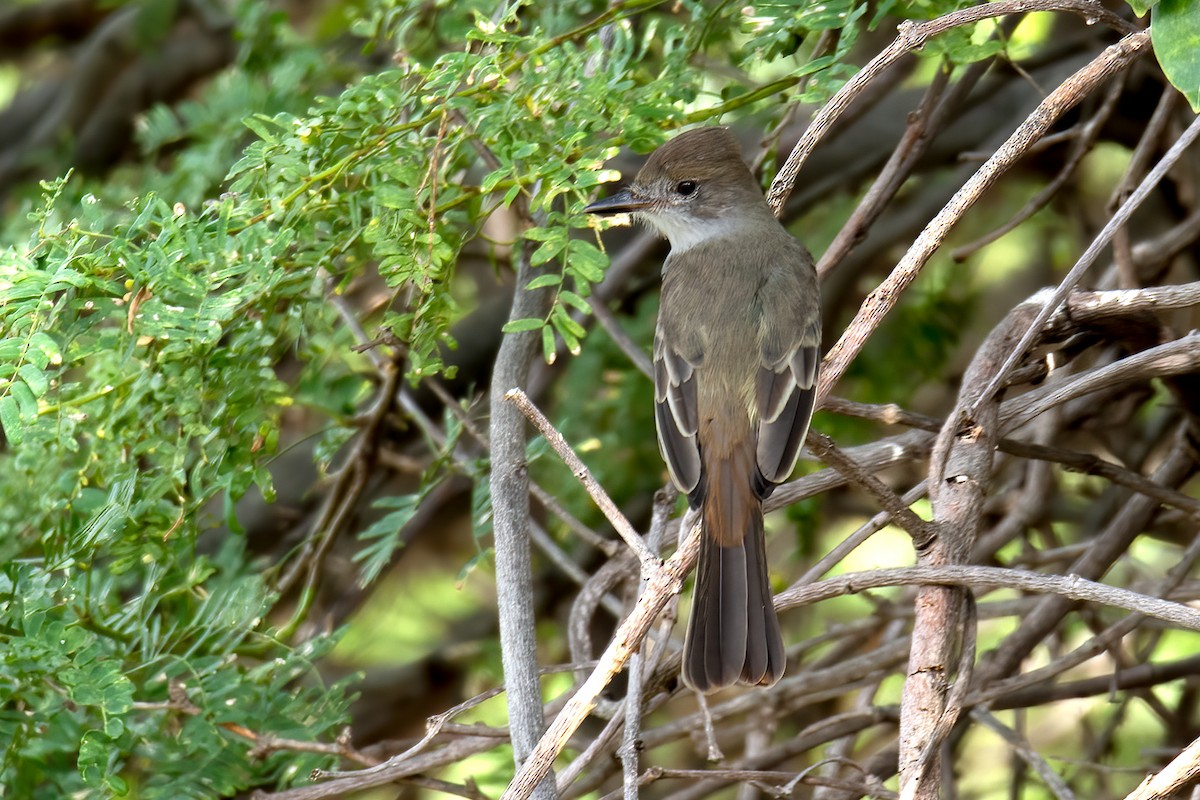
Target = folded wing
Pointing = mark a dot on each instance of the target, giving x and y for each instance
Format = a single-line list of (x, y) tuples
[(676, 417), (784, 394)]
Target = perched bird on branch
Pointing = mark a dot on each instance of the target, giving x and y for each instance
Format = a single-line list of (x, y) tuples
[(735, 370)]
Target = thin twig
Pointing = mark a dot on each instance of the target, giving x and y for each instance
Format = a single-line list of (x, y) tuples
[(1097, 644), (623, 340), (547, 500), (1105, 547), (626, 531), (1021, 746), (1135, 677), (1055, 300), (784, 779), (1070, 587), (1084, 463), (883, 299), (912, 145), (388, 772), (864, 532), (1179, 357), (663, 583), (912, 36), (630, 751), (824, 447), (1080, 146)]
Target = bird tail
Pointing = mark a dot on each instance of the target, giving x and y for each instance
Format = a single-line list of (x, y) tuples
[(733, 635)]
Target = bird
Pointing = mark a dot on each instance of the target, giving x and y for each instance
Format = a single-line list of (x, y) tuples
[(736, 356)]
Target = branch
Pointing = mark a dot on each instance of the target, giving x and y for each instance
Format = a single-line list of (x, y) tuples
[(1081, 145), (888, 452), (826, 729), (1071, 587), (388, 772), (1024, 749), (883, 299), (1073, 461), (1136, 677), (786, 780), (631, 744), (1182, 770), (1179, 357), (913, 36), (920, 530), (340, 500), (918, 133), (509, 488), (1084, 306), (960, 472), (1113, 540), (663, 583), (1055, 301), (519, 399)]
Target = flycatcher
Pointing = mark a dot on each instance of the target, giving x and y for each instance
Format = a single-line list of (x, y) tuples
[(735, 371)]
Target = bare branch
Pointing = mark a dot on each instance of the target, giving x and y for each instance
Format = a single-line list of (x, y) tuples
[(1067, 587), (918, 528), (1055, 301), (1023, 749), (1182, 770), (519, 399), (912, 36), (884, 298), (663, 583), (510, 514), (1173, 358)]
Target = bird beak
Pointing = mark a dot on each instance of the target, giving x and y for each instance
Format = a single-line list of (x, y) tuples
[(623, 202)]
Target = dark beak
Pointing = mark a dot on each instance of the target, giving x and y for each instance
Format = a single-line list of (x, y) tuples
[(623, 202)]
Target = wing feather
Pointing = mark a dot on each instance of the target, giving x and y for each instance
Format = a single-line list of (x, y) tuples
[(784, 400), (676, 417), (772, 389)]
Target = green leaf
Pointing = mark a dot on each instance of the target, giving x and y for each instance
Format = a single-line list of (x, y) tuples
[(589, 178), (575, 301), (494, 177), (571, 341), (546, 234), (542, 281), (1140, 7), (109, 518), (229, 507), (522, 325), (546, 251), (962, 46), (10, 418), (563, 321), (266, 127), (35, 378), (26, 401), (390, 196), (93, 757), (11, 349), (549, 352), (113, 727), (1175, 32), (43, 350), (384, 535), (587, 261)]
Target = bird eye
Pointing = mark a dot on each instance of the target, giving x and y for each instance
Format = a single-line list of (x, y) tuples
[(685, 188)]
